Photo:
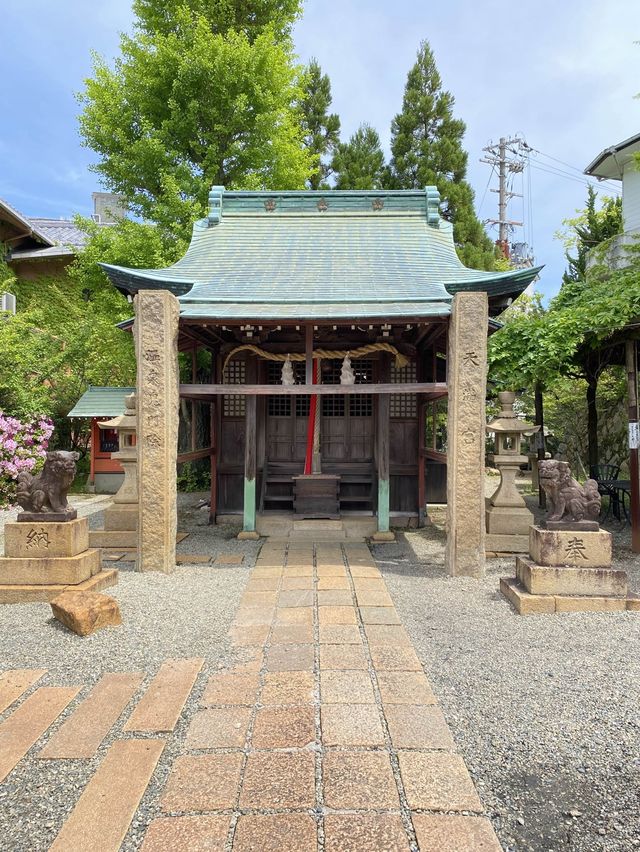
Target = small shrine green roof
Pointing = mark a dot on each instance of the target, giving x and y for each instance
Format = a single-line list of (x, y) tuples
[(314, 255), (101, 402)]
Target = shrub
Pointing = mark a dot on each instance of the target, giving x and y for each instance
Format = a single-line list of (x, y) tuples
[(23, 447)]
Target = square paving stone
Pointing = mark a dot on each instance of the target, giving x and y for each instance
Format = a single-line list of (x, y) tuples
[(279, 780), (298, 571), (336, 615), (262, 571), (292, 633), (291, 583), (418, 726), (367, 598), (369, 584), (290, 658), (331, 570), (227, 688), (404, 688), (386, 658), (295, 615), (437, 781), (250, 660), (327, 583), (187, 834), (203, 782), (219, 727), (284, 727), (340, 634), (379, 615), (262, 598), (365, 833), (343, 657), (253, 616), (335, 597), (387, 634), (269, 584), (351, 725), (249, 634), (275, 833), (295, 598), (287, 688), (359, 779), (346, 687), (364, 571), (437, 832)]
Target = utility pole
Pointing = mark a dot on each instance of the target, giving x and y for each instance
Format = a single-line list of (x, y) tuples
[(498, 155)]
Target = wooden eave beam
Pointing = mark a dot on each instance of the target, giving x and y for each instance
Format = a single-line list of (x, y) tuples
[(431, 390)]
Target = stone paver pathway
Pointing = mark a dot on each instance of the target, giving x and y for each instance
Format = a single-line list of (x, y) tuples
[(327, 737)]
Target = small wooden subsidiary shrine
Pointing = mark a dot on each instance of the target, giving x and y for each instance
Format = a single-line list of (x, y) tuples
[(280, 287)]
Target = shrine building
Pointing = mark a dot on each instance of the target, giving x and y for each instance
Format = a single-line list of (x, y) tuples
[(337, 328)]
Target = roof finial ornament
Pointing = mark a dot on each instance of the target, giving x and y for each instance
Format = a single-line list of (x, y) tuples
[(433, 206), (215, 205)]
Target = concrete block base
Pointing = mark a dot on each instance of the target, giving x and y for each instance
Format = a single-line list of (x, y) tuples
[(550, 580), (22, 593), (525, 603), (383, 536), (121, 517), (113, 538), (42, 571), (508, 520), (506, 543), (248, 536), (48, 539)]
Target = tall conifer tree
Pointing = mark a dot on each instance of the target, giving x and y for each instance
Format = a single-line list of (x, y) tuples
[(359, 163), (426, 149), (320, 127)]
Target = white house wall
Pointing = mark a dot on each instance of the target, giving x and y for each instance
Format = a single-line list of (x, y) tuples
[(631, 197)]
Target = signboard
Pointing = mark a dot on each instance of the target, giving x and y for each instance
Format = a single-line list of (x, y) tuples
[(634, 436)]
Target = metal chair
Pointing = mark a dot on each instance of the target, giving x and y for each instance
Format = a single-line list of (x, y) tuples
[(603, 473)]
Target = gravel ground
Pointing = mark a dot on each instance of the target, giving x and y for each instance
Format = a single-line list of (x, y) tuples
[(185, 614), (544, 708)]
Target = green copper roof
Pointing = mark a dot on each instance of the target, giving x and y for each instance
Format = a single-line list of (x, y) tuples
[(319, 255), (101, 402)]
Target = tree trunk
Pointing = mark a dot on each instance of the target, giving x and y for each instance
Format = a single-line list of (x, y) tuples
[(592, 422)]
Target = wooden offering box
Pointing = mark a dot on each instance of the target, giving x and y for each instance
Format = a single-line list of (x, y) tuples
[(316, 495)]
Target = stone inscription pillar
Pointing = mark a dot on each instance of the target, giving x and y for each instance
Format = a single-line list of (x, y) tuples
[(467, 381), (156, 338)]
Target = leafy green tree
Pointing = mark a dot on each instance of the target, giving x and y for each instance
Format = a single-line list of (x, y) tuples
[(192, 103), (320, 127), (161, 16), (426, 148), (359, 163)]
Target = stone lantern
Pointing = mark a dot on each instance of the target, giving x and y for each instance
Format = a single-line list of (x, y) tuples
[(507, 517), (121, 519)]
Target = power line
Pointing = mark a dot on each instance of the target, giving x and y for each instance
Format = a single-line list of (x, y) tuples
[(573, 168)]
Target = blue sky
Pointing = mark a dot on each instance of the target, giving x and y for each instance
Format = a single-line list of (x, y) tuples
[(563, 75)]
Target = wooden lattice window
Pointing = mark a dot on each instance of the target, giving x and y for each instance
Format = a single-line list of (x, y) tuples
[(403, 405), (234, 374)]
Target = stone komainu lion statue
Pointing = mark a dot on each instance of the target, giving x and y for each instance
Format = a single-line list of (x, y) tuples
[(568, 500), (47, 491)]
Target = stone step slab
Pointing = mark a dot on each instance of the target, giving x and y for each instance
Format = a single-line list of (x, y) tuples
[(15, 683), (82, 733), (161, 705), (29, 721), (46, 570), (550, 580), (103, 813), (24, 593)]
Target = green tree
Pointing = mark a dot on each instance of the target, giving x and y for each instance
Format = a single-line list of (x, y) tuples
[(426, 148), (193, 104), (359, 163), (320, 127)]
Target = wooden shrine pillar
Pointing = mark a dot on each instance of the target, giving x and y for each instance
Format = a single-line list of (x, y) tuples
[(156, 342), (250, 456), (466, 418), (383, 401)]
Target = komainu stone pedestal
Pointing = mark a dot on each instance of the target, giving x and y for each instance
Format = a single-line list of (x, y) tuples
[(43, 559), (568, 571)]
